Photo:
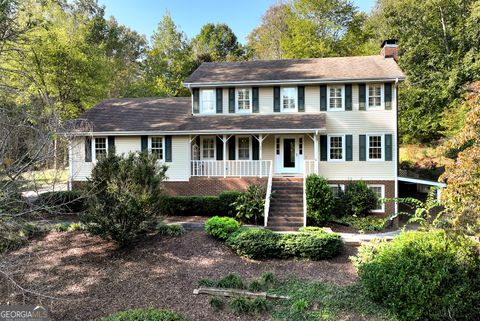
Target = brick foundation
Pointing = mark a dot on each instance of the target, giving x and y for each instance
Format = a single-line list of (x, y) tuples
[(210, 185), (389, 193)]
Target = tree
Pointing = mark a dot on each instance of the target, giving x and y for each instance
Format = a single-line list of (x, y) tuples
[(461, 196), (265, 40), (167, 63), (216, 42)]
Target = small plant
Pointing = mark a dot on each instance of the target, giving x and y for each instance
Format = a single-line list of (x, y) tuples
[(241, 305), (173, 230), (148, 314), (221, 227), (250, 205), (358, 199), (260, 305), (268, 278), (300, 305), (206, 282), (61, 227), (320, 201), (73, 227), (368, 223), (231, 281), (217, 303), (256, 286)]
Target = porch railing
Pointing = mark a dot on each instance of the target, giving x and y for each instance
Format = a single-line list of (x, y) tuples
[(268, 195), (231, 168)]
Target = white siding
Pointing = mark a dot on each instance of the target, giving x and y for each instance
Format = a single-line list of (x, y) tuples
[(179, 168)]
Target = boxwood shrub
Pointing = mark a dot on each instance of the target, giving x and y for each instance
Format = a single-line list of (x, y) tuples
[(320, 201), (423, 276), (255, 243), (221, 227), (148, 314), (63, 201), (221, 205)]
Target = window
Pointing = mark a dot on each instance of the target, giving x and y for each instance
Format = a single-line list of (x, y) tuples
[(277, 146), (336, 148), (375, 96), (244, 100), (375, 147), (289, 99), (336, 188), (100, 147), (335, 98), (156, 147), (208, 148), (300, 146), (380, 191), (243, 143), (207, 101)]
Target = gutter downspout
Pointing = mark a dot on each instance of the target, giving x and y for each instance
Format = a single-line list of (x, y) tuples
[(397, 159)]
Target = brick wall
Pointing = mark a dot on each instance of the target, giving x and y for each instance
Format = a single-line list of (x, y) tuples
[(389, 193), (210, 185)]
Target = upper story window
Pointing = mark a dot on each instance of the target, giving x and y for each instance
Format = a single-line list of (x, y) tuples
[(336, 148), (335, 98), (100, 147), (380, 191), (375, 147), (156, 147), (244, 100), (375, 96), (207, 101), (208, 148), (244, 148), (289, 99)]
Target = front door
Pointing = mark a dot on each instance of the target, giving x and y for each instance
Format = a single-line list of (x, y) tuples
[(288, 155)]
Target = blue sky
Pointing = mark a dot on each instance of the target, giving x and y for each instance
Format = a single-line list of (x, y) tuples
[(242, 16)]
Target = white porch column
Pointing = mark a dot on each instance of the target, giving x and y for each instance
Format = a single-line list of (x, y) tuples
[(260, 147), (315, 151), (224, 140)]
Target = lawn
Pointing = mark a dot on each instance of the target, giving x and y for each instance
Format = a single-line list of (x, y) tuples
[(161, 272)]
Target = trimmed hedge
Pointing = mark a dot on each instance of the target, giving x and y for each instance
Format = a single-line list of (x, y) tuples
[(63, 201), (221, 205), (148, 314), (320, 201), (221, 227), (423, 276), (264, 244)]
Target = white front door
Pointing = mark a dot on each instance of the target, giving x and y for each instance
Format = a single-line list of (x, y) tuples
[(289, 159)]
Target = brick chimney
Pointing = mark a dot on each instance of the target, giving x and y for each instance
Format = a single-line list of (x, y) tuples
[(390, 49)]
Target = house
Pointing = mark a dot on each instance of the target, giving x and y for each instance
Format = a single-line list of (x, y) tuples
[(270, 122)]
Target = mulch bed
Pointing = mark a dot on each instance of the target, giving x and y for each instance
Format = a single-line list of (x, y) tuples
[(160, 272)]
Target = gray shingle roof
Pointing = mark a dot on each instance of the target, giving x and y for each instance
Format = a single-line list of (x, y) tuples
[(337, 68), (174, 115)]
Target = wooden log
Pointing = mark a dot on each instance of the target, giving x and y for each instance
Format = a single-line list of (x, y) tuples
[(237, 292)]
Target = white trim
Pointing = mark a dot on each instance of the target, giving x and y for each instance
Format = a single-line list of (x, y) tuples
[(421, 181), (295, 110), (382, 196), (202, 138), (149, 146), (367, 143), (201, 108), (293, 81), (203, 132), (249, 111), (342, 87), (250, 147), (343, 148), (94, 150), (382, 97)]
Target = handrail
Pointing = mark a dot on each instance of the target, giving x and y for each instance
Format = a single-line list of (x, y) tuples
[(268, 194), (229, 168), (305, 193)]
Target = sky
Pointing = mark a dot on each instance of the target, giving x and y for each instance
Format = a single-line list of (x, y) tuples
[(190, 15)]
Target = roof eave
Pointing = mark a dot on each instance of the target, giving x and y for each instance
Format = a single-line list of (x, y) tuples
[(202, 132)]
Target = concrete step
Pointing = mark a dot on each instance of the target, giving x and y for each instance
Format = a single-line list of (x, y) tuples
[(284, 228), (282, 183), (288, 188), (287, 179), (286, 207), (274, 221)]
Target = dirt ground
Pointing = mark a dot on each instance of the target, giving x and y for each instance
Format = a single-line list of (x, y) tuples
[(160, 272)]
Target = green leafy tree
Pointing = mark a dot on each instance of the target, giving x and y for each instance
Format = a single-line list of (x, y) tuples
[(216, 42)]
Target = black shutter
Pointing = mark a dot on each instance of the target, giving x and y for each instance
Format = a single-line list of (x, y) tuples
[(231, 100), (348, 97), (388, 147), (219, 100), (196, 100), (168, 148), (362, 147), (231, 148), (111, 144), (388, 96), (144, 143), (256, 108), (323, 147), (348, 148), (323, 97), (361, 97), (255, 149), (301, 98), (276, 99), (88, 149), (219, 148)]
